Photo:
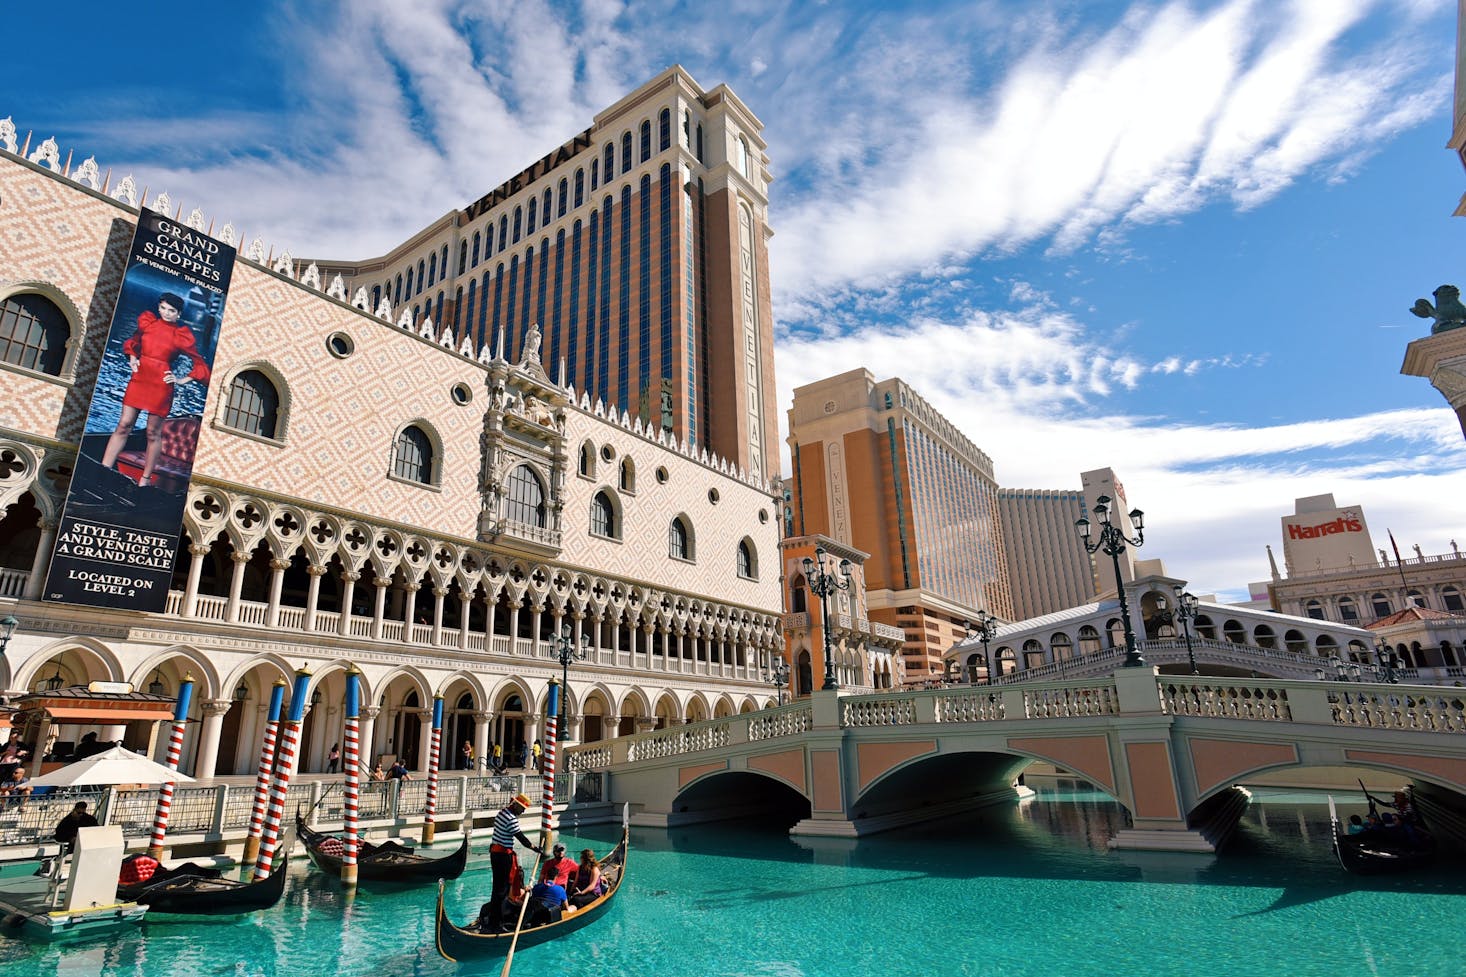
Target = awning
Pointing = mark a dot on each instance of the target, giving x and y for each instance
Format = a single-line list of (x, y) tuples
[(106, 716)]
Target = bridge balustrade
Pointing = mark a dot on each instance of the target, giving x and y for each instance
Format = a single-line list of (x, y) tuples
[(1053, 702), (1225, 698), (781, 722), (664, 743), (885, 710), (1386, 707)]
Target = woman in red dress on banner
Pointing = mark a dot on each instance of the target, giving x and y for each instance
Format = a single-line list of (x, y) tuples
[(159, 340)]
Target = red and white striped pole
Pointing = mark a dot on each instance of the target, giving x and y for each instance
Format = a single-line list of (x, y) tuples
[(429, 829), (175, 750), (275, 812), (547, 788), (351, 793), (262, 776)]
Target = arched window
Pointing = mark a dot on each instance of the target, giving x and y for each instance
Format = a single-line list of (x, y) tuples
[(1348, 610), (1264, 637), (397, 291), (412, 456), (422, 280), (519, 222), (408, 290), (1089, 640), (587, 460), (432, 268), (526, 498), (530, 216), (626, 151), (1381, 605), (33, 333), (1205, 627), (477, 239), (646, 140), (628, 475), (610, 160), (1234, 632), (462, 257), (742, 159), (679, 540), (1294, 641), (376, 296), (580, 186), (1314, 609), (603, 516), (1451, 599), (699, 142), (747, 568), (504, 232), (545, 209), (595, 173), (687, 127), (664, 130), (564, 197), (1062, 647), (253, 406), (798, 601), (1416, 597)]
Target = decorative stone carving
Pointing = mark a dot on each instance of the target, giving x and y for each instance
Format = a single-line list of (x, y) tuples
[(256, 251), (7, 134), (531, 351), (284, 265), (360, 300), (384, 309), (48, 153), (466, 347), (126, 191), (1447, 313), (312, 277), (196, 219), (485, 355), (229, 235), (87, 173), (426, 331), (405, 320), (161, 204), (337, 288), (446, 339)]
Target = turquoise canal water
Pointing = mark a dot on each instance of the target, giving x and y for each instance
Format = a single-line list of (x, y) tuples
[(1024, 890)]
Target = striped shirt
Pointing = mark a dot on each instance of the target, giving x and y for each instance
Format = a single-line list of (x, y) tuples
[(506, 827)]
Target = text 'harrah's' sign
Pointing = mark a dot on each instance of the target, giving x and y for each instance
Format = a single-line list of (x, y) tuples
[(1340, 525)]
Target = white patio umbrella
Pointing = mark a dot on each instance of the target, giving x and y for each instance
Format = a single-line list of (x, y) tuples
[(114, 766)]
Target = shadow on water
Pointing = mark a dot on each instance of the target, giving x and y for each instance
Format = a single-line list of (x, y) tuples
[(1063, 836)]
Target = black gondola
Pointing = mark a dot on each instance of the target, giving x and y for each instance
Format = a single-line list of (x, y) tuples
[(466, 942), (194, 890), (1382, 850), (386, 862)]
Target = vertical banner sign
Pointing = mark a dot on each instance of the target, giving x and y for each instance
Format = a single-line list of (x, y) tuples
[(118, 534)]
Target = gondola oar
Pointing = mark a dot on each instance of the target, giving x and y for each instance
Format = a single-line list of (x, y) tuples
[(547, 809)]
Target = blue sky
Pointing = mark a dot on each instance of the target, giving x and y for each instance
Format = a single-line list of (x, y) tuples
[(1179, 239)]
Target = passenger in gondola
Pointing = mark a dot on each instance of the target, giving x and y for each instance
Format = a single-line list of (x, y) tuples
[(557, 868), (589, 883), (502, 859), (547, 904), (1356, 824)]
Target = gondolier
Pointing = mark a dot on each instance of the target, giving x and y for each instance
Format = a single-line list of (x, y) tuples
[(501, 856)]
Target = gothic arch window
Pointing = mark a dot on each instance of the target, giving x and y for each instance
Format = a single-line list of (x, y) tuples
[(253, 405), (526, 498), (603, 520), (33, 333), (798, 600), (628, 475), (415, 457), (679, 539), (587, 467), (747, 562)]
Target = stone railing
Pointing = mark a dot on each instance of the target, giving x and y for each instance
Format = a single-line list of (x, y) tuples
[(773, 723), (1390, 707), (12, 582), (890, 709), (679, 740), (1220, 697), (1071, 699)]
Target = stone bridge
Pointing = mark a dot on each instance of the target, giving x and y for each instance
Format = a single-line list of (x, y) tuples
[(1168, 748)]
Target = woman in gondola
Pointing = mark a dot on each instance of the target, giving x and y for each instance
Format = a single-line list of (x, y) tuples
[(589, 886)]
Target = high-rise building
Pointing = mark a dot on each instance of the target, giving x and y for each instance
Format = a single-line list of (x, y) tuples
[(1048, 570), (638, 248), (878, 468)]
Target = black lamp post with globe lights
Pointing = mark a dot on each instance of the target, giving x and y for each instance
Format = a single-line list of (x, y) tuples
[(777, 674), (567, 651), (1112, 542), (825, 579), (984, 629), (1186, 603)]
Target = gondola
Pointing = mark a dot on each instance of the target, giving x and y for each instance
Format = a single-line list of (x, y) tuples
[(466, 942), (194, 890), (387, 862), (1381, 851)]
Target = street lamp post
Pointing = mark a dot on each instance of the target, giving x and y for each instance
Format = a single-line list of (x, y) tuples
[(984, 630), (1112, 541), (777, 674), (568, 651), (825, 579), (1388, 662), (8, 625), (1186, 610)]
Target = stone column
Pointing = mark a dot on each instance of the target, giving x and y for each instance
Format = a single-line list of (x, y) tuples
[(438, 594), (208, 752), (379, 608), (514, 607), (195, 569), (424, 738), (482, 726), (493, 606), (313, 594), (366, 731), (647, 628), (348, 594), (36, 581), (465, 598), (409, 614), (610, 727), (236, 585), (277, 583)]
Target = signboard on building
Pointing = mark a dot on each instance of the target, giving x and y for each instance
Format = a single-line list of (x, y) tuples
[(1322, 536), (118, 535)]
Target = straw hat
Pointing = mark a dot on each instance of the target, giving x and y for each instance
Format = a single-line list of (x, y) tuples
[(522, 801)]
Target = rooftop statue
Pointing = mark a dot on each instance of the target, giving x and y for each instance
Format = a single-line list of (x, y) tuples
[(1448, 312)]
